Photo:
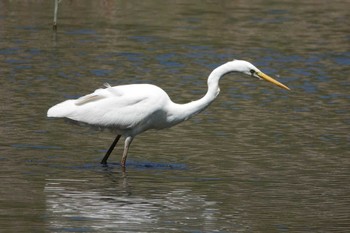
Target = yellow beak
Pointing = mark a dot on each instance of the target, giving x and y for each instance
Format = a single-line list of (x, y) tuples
[(268, 78)]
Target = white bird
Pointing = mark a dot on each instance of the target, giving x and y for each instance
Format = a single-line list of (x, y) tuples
[(132, 109)]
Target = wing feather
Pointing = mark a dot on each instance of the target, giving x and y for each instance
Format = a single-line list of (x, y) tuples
[(88, 98), (121, 107)]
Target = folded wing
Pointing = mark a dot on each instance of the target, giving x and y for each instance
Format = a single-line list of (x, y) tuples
[(121, 107)]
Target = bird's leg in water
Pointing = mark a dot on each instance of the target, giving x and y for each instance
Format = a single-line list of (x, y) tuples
[(104, 160), (128, 141)]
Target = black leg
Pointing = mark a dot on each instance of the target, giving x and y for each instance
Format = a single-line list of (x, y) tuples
[(104, 160)]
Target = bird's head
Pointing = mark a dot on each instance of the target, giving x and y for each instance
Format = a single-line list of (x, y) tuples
[(251, 70)]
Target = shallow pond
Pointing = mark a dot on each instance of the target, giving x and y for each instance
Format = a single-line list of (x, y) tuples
[(259, 159)]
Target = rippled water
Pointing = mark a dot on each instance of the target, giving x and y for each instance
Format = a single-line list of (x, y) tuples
[(259, 159)]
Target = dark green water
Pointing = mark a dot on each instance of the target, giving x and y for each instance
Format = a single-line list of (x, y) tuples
[(259, 159)]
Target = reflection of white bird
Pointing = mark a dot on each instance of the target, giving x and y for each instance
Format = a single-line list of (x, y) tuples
[(132, 109)]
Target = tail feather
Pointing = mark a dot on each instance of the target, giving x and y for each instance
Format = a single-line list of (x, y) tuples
[(63, 109)]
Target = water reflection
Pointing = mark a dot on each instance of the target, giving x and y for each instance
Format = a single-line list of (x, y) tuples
[(257, 160), (71, 207)]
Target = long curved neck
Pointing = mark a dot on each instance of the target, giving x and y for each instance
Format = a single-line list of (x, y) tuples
[(182, 112)]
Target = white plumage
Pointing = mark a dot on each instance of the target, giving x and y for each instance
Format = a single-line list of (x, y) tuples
[(125, 108), (132, 109)]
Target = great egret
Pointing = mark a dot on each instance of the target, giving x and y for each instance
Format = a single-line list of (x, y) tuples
[(132, 109)]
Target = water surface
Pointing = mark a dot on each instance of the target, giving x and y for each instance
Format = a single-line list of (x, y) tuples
[(259, 159)]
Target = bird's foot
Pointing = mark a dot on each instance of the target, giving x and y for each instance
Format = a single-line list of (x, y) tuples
[(104, 163)]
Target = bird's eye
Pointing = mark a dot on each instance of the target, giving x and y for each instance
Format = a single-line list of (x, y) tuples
[(252, 71)]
